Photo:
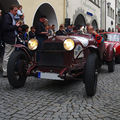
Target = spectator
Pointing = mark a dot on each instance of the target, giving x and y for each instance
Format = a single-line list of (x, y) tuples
[(9, 35), (72, 26), (32, 32), (41, 33), (82, 29), (69, 29), (61, 30), (24, 34), (1, 42), (49, 30), (53, 28), (0, 25), (75, 29), (19, 13)]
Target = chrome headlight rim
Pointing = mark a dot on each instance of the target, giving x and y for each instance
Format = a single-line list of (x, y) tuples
[(33, 44), (69, 44)]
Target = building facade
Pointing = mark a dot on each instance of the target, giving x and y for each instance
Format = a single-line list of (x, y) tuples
[(54, 10), (118, 15), (81, 12), (109, 15), (103, 14)]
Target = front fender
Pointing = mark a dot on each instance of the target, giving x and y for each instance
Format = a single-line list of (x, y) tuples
[(25, 49), (109, 53), (95, 49)]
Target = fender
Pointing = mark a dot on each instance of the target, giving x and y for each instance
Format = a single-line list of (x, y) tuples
[(117, 49), (23, 48), (94, 48), (109, 53)]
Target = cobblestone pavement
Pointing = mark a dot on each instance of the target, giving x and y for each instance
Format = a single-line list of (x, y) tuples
[(58, 100)]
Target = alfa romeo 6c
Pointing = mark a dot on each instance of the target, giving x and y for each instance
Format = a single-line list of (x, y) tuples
[(60, 58)]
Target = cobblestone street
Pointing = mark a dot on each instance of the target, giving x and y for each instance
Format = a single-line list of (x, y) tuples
[(61, 100)]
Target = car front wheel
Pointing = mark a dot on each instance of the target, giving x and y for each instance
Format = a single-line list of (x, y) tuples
[(16, 69), (91, 73)]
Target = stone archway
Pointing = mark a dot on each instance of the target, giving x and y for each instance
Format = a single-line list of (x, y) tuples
[(48, 11), (109, 29), (5, 4), (94, 24), (80, 20)]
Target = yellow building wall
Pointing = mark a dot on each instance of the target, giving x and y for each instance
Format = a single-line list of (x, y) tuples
[(31, 6)]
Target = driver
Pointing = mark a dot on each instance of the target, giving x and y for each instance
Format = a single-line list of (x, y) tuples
[(96, 36)]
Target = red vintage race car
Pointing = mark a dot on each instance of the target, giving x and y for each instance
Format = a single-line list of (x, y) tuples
[(61, 58), (113, 39)]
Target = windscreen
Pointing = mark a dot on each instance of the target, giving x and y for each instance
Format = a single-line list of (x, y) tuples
[(113, 37)]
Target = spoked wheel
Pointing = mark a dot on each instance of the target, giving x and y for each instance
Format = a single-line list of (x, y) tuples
[(17, 68), (91, 74)]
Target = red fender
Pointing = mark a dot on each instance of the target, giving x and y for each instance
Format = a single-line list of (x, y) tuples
[(109, 53), (23, 48)]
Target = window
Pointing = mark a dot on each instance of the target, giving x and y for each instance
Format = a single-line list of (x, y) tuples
[(108, 10), (113, 14), (96, 2)]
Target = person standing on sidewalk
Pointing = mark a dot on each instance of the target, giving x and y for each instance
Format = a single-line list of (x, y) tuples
[(9, 35), (1, 42)]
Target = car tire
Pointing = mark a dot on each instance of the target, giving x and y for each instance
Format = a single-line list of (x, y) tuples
[(111, 65), (16, 69), (91, 73), (117, 60)]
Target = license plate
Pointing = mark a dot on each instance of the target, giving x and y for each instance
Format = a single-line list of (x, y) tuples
[(51, 76)]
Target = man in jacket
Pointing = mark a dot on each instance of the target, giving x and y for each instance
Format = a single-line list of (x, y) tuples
[(41, 33), (9, 35)]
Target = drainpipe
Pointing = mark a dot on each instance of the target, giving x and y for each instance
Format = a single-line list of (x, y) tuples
[(105, 14), (115, 13), (65, 9), (101, 15)]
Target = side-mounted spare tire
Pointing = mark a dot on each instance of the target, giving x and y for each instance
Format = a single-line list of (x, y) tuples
[(17, 68), (90, 75)]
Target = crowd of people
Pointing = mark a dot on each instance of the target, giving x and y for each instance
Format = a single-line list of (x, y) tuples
[(12, 24)]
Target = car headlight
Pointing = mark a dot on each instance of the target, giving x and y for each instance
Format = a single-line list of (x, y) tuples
[(69, 44), (33, 44)]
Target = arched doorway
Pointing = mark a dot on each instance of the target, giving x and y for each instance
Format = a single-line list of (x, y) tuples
[(80, 20), (94, 24), (48, 11), (5, 4), (109, 29)]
